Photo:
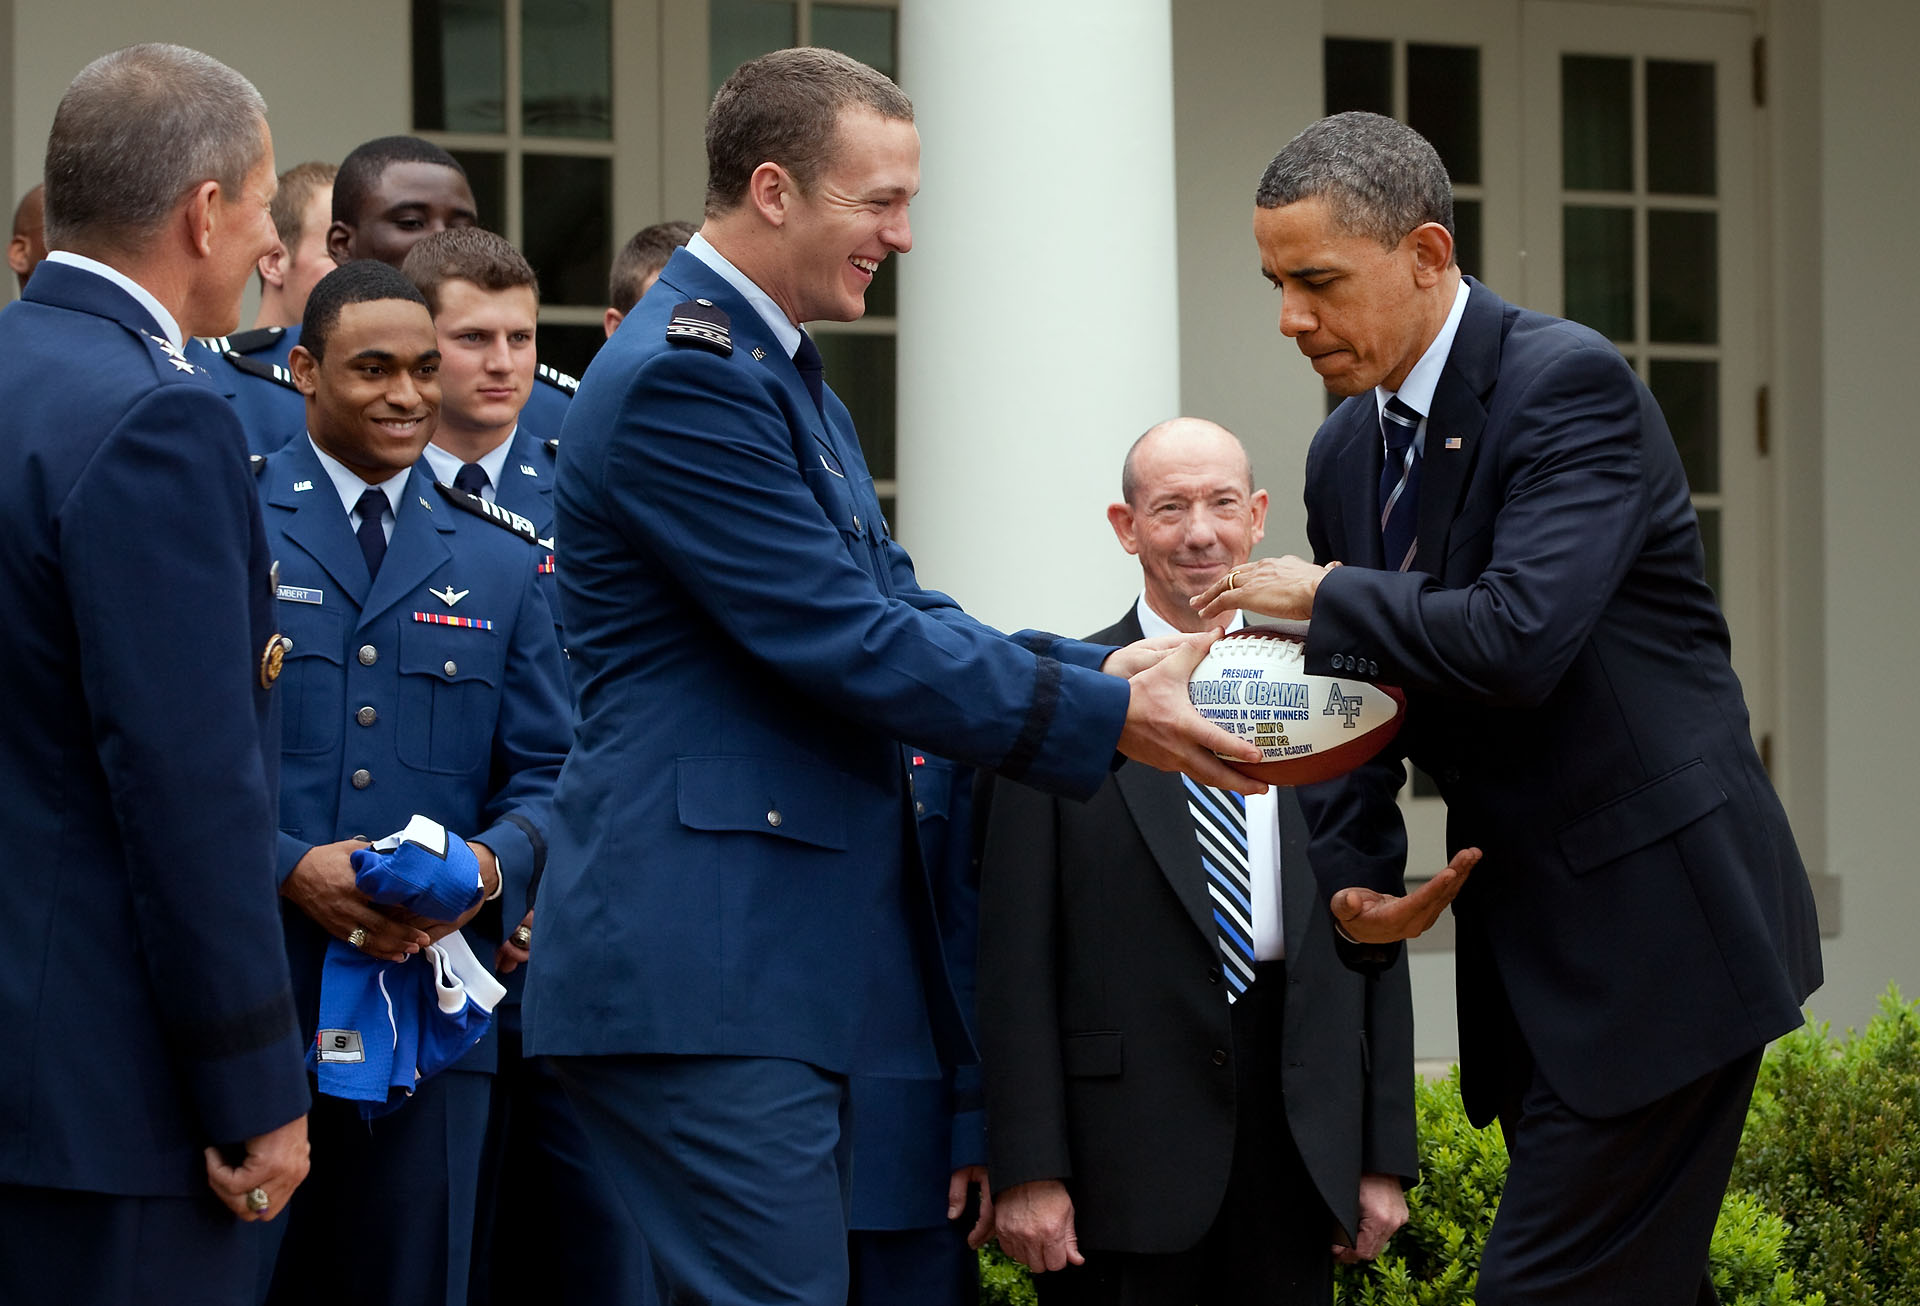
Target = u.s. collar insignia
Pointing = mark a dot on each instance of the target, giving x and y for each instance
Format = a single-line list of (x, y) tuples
[(703, 323), (758, 353), (272, 658)]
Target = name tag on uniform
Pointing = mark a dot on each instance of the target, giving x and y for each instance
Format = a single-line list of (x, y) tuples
[(295, 594)]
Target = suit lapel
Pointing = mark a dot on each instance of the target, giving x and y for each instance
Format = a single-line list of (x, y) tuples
[(416, 550), (1355, 431), (1454, 426), (319, 523)]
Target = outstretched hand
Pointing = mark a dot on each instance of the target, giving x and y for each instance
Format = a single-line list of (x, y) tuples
[(1366, 916), (1165, 732)]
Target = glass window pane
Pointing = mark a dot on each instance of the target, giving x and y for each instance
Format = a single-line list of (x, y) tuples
[(1466, 235), (459, 65), (1443, 104), (739, 30), (1598, 250), (487, 179), (1596, 122), (1359, 75), (565, 69), (860, 368), (1680, 136), (566, 212), (1689, 394), (569, 347), (1710, 541), (862, 31), (1683, 281)]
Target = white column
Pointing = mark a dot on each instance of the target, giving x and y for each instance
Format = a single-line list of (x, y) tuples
[(1039, 323)]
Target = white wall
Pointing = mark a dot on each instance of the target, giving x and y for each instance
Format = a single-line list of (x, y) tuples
[(333, 74), (1861, 303)]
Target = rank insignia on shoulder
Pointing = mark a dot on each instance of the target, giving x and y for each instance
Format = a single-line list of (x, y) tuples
[(505, 518), (246, 342), (264, 370), (700, 322), (559, 380), (175, 355)]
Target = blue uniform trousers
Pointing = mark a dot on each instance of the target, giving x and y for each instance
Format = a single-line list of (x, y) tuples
[(101, 1249)]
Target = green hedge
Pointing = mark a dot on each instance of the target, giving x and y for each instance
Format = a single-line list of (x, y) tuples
[(1824, 1208)]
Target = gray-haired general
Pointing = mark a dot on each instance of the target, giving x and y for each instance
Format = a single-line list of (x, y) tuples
[(1521, 555), (152, 1097)]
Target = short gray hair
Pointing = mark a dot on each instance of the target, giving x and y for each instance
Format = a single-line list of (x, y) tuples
[(1380, 178), (137, 130)]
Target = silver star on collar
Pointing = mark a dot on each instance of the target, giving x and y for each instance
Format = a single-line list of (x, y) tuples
[(175, 354)]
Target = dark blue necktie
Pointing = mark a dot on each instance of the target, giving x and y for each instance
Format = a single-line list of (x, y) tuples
[(1399, 486), (807, 360), (471, 479), (372, 508)]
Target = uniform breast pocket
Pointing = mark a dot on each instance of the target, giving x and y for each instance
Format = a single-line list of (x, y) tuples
[(313, 683), (449, 697), (835, 493)]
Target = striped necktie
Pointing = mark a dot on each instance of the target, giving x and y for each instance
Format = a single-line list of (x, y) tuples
[(1399, 485), (1220, 821)]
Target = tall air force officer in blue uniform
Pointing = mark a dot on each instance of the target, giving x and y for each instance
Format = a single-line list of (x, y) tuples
[(151, 1030), (550, 1226), (734, 916), (423, 677)]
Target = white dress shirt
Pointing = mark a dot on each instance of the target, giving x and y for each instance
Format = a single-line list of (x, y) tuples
[(1416, 392), (1263, 827), (168, 327), (349, 485), (771, 313)]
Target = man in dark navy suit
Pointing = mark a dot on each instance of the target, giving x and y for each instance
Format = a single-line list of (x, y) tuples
[(153, 1051), (540, 1191), (423, 678), (733, 917), (1522, 556)]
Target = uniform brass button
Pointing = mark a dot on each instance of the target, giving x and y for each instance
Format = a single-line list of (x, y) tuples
[(773, 817), (1219, 1056), (919, 809), (362, 778), (450, 667), (368, 655), (366, 716)]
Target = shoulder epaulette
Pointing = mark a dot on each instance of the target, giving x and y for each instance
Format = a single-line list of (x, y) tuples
[(505, 518), (559, 380), (700, 322), (264, 370), (246, 342), (257, 462)]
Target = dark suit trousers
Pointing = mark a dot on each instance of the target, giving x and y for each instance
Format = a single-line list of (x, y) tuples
[(1613, 1212), (1272, 1240)]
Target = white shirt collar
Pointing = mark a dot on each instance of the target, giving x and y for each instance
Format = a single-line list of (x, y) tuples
[(349, 485), (1416, 392), (163, 319), (1153, 625), (446, 465), (771, 313)]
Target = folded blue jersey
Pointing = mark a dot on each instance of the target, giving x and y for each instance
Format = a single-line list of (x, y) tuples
[(421, 868), (387, 1025)]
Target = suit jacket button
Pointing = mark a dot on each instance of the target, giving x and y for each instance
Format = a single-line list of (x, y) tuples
[(1373, 668), (368, 655), (919, 808), (451, 667), (773, 818), (1213, 976), (362, 778), (1219, 1056), (366, 716)]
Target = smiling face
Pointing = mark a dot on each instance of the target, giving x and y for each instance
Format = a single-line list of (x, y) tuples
[(486, 359), (373, 400), (835, 236), (410, 201), (1193, 514), (1362, 313)]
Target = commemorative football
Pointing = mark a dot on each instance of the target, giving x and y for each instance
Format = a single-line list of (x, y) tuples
[(1254, 684)]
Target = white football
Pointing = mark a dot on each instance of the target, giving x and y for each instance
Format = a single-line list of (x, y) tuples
[(1254, 684)]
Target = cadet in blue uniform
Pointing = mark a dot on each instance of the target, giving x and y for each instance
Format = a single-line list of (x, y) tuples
[(422, 678), (920, 1144), (145, 997), (729, 893), (550, 1227)]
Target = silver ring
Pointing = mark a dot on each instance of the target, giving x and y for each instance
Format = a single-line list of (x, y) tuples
[(357, 937), (258, 1201)]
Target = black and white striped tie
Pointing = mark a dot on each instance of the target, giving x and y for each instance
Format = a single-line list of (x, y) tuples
[(1399, 485), (1220, 821)]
